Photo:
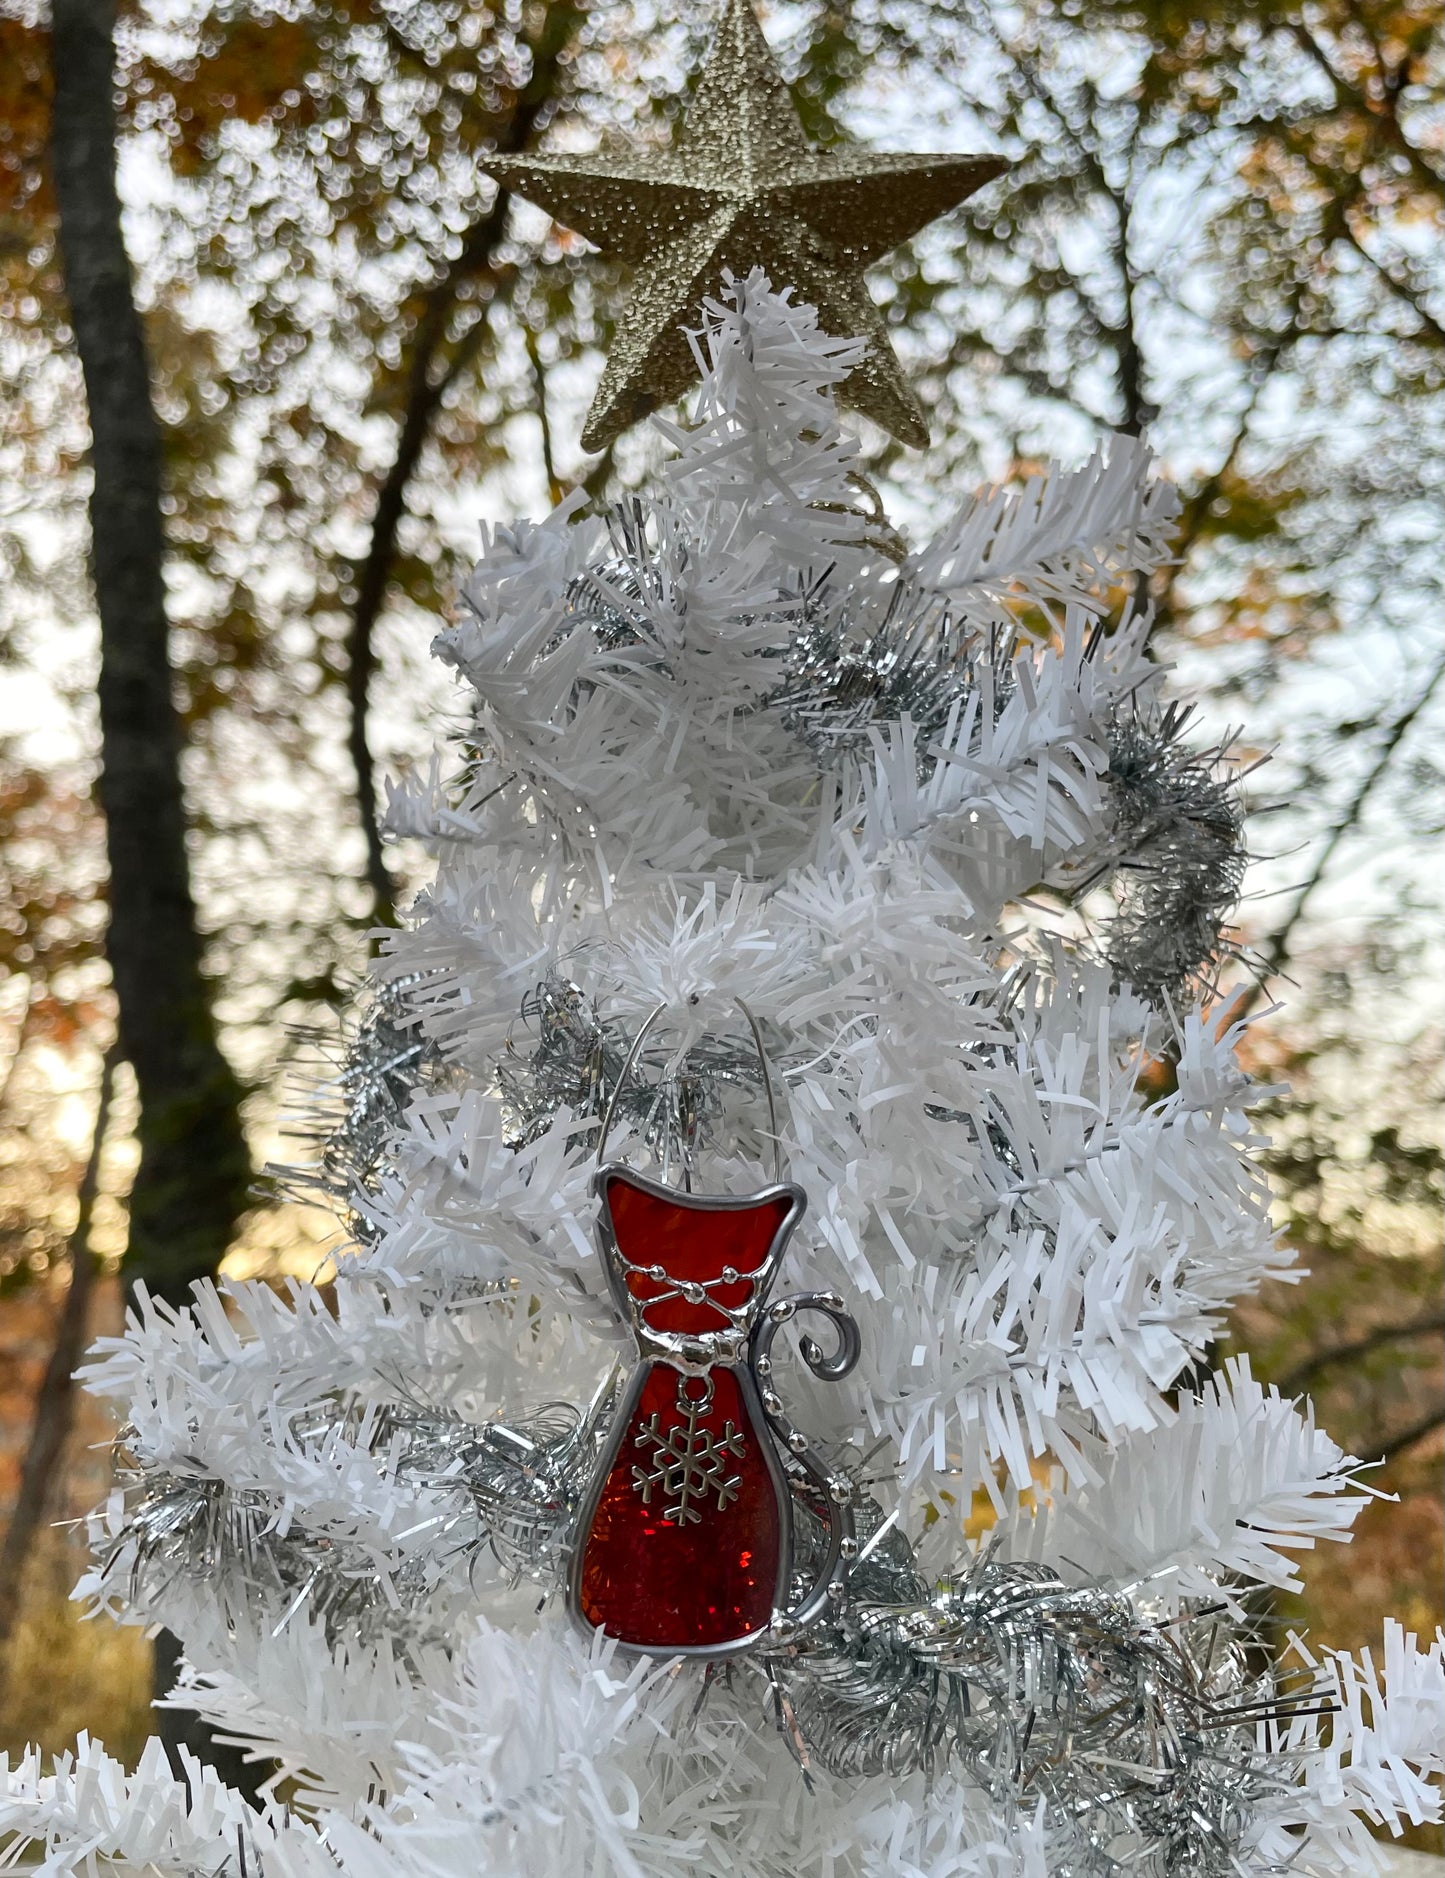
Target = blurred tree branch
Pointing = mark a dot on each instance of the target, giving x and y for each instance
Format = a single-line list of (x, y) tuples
[(54, 1400), (1417, 1431), (1382, 105), (1275, 953), (428, 382), (1295, 1378), (22, 1034), (555, 491)]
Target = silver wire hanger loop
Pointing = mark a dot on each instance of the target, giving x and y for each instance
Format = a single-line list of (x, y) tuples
[(659, 1010)]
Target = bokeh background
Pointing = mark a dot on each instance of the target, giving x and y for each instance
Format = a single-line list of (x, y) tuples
[(1222, 230)]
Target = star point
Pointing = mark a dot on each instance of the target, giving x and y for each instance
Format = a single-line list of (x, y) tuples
[(743, 187)]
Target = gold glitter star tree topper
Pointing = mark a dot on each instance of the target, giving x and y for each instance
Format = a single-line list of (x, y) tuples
[(744, 188)]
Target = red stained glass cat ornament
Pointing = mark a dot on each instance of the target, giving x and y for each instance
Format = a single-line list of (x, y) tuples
[(685, 1542)]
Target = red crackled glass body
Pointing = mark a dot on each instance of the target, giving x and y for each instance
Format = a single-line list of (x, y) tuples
[(685, 1544)]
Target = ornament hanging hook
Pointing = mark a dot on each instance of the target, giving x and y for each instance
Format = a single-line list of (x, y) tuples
[(764, 1063), (627, 1068), (768, 1091)]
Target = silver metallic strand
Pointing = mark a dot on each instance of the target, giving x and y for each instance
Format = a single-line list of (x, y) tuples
[(1176, 853), (509, 1488), (1132, 1729), (1177, 856), (525, 1480), (354, 1113), (576, 1059), (1042, 1690), (619, 596), (919, 662)]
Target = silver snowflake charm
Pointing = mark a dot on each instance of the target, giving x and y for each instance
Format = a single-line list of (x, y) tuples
[(689, 1463)]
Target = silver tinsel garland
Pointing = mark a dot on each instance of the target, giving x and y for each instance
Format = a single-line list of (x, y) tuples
[(1132, 1729), (1175, 854), (617, 597), (352, 1115), (576, 1060), (509, 1488), (842, 683)]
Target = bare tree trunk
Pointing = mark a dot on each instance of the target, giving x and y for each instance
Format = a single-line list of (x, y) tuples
[(194, 1171), (55, 1400)]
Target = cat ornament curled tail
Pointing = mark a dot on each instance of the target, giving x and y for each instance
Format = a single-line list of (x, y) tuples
[(685, 1541)]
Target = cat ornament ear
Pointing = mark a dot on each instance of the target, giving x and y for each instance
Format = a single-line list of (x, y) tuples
[(685, 1540)]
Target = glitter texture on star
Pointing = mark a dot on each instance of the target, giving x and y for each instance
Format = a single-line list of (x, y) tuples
[(744, 188)]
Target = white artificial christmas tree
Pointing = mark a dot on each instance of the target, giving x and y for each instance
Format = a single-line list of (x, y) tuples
[(779, 847)]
